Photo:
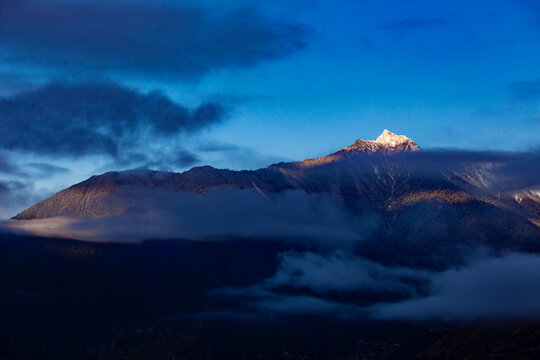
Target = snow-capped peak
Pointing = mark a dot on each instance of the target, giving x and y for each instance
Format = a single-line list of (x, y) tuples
[(386, 142), (388, 138)]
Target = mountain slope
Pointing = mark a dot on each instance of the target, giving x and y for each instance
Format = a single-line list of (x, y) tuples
[(388, 176), (93, 196)]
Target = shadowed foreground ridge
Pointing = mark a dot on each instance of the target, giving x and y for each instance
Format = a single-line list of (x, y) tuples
[(118, 301)]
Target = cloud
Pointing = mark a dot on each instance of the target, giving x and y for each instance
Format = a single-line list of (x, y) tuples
[(237, 157), (12, 83), (491, 171), (5, 187), (42, 170), (17, 183), (182, 158), (166, 160), (488, 288), (8, 167), (342, 271), (218, 147), (493, 288), (95, 119), (142, 38), (13, 195), (337, 283), (157, 213), (257, 302)]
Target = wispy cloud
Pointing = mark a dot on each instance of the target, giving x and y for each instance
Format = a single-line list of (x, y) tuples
[(7, 166), (41, 169), (14, 194)]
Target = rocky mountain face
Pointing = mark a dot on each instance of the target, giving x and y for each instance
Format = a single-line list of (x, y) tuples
[(386, 143), (331, 173), (389, 176)]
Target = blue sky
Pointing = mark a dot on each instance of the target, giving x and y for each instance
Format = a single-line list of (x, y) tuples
[(439, 73), (289, 80), (443, 73)]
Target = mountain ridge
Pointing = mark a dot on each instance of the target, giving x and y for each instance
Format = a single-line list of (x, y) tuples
[(385, 176), (386, 143), (199, 179)]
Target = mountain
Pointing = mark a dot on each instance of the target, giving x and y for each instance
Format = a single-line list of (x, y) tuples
[(414, 193), (386, 143), (422, 221), (94, 197), (435, 232)]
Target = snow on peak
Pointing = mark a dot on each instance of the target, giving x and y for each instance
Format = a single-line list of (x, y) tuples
[(388, 138), (387, 142)]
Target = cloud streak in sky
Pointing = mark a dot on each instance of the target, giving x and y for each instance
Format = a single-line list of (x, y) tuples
[(95, 119), (148, 39)]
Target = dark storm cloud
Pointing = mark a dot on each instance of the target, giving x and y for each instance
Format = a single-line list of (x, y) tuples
[(411, 23), (95, 118), (163, 40)]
